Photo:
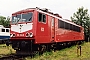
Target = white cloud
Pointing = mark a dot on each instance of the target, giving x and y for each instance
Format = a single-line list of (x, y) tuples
[(64, 7)]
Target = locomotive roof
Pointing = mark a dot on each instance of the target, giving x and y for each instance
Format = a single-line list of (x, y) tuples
[(65, 20), (45, 11)]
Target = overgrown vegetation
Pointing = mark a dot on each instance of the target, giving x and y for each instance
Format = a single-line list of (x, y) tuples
[(5, 50), (65, 54), (5, 21)]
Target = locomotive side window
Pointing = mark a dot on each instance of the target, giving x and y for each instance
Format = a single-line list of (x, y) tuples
[(78, 29), (42, 18), (70, 26), (52, 21), (73, 27), (66, 25), (3, 30), (60, 24)]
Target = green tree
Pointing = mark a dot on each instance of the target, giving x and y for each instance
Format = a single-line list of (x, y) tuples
[(82, 18), (5, 21)]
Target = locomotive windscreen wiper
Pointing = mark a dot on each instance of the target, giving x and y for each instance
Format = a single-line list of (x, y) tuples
[(30, 18), (18, 18)]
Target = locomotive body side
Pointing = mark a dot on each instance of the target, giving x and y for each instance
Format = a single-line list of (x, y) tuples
[(52, 30), (66, 32)]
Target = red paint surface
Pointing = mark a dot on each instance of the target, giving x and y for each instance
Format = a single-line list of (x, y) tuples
[(45, 33)]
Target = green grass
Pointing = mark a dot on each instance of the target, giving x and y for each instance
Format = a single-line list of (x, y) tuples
[(65, 54), (4, 50)]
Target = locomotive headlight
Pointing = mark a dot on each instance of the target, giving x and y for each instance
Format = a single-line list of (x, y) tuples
[(11, 35), (27, 34), (31, 34)]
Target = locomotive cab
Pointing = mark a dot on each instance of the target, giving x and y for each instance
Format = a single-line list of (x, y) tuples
[(31, 27), (22, 31), (22, 25)]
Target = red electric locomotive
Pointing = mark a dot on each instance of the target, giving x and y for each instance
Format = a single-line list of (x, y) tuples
[(36, 29)]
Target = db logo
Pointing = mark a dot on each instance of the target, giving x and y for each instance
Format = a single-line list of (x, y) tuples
[(42, 29)]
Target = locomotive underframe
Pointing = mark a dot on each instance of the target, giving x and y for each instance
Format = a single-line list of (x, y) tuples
[(29, 47)]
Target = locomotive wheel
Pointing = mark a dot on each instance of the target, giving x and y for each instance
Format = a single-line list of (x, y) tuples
[(41, 49)]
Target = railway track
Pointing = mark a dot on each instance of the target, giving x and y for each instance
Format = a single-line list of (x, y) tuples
[(12, 57)]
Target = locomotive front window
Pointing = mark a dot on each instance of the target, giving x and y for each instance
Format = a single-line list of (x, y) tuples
[(26, 17), (14, 19)]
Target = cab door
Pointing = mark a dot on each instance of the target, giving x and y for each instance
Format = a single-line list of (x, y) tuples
[(52, 29), (42, 35)]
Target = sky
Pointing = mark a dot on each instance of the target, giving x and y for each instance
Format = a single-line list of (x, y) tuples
[(65, 8)]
